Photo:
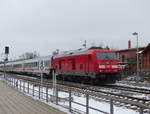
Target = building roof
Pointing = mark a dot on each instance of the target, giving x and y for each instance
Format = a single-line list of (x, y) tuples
[(131, 49), (147, 48)]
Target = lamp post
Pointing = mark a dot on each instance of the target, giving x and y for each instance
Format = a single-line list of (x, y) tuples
[(137, 52)]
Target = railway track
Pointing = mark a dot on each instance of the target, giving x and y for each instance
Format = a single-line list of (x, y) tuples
[(128, 88), (96, 90)]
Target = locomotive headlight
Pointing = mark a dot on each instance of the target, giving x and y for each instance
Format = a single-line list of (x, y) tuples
[(115, 66), (102, 66)]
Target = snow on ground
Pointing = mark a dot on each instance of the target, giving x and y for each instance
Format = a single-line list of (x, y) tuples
[(80, 98), (133, 84), (133, 81)]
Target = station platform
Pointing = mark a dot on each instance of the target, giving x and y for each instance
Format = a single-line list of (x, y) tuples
[(14, 102)]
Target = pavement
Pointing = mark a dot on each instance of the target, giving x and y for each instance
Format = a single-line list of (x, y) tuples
[(14, 102)]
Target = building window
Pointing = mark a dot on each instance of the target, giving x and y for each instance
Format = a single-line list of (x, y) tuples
[(123, 58)]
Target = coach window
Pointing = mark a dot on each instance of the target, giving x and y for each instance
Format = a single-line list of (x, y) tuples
[(34, 64), (17, 65), (26, 65)]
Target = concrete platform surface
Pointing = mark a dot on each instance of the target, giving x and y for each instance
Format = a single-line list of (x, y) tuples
[(14, 102)]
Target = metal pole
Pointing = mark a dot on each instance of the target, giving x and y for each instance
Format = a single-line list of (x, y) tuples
[(23, 86), (28, 87), (47, 94), (87, 104), (4, 70), (56, 96), (41, 84), (17, 84), (85, 43), (111, 107), (14, 83), (20, 85), (11, 81), (39, 92), (141, 111), (54, 84), (33, 90), (70, 100), (137, 57)]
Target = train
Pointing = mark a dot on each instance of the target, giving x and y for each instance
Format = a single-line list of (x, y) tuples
[(82, 66)]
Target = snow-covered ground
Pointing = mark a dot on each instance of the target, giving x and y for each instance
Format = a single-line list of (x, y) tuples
[(80, 98), (133, 81)]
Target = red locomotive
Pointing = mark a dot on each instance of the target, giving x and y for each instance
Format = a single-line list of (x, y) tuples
[(90, 65)]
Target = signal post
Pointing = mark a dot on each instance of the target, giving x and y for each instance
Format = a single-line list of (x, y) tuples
[(6, 59)]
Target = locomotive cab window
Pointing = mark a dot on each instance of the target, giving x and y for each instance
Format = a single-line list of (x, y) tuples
[(106, 56)]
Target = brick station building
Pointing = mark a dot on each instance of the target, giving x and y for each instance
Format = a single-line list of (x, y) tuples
[(128, 58), (146, 60)]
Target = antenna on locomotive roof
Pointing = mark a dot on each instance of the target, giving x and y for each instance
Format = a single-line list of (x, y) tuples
[(84, 45)]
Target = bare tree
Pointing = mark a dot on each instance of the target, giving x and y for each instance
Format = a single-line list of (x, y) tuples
[(55, 52), (29, 55)]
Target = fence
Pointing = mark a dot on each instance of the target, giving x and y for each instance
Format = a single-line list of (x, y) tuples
[(34, 89)]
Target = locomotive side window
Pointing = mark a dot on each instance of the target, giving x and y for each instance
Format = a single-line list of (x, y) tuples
[(106, 56), (73, 64), (81, 66), (59, 64), (90, 57)]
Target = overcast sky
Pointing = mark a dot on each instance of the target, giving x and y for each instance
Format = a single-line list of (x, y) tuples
[(47, 25)]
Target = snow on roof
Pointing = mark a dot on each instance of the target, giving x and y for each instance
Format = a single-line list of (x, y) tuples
[(140, 51)]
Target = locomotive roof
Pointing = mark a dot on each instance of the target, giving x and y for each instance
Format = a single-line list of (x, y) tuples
[(82, 52)]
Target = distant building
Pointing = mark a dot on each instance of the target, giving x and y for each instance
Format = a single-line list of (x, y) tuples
[(146, 60), (128, 55), (128, 58)]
